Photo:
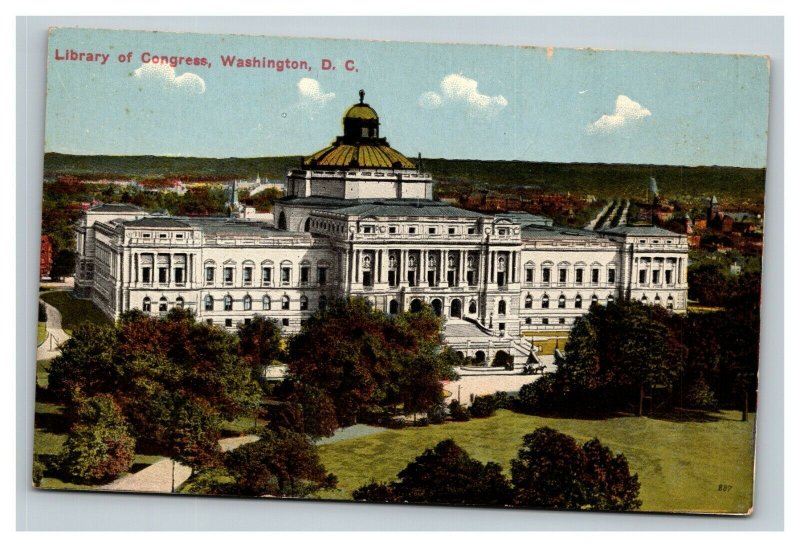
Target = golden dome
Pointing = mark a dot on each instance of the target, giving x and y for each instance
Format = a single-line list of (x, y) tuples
[(361, 146)]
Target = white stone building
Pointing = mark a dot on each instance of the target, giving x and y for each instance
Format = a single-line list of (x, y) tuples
[(359, 219)]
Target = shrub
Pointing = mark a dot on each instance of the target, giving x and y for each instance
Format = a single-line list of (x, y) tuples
[(701, 396), (504, 400), (458, 412), (538, 396), (483, 406), (437, 414)]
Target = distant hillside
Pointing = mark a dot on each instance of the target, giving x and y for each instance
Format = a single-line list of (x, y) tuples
[(602, 180)]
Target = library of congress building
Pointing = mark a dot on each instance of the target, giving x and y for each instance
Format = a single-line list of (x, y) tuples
[(359, 219)]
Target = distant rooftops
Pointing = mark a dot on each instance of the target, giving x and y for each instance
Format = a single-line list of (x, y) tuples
[(115, 208)]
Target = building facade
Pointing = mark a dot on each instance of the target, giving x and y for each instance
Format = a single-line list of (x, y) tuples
[(359, 219)]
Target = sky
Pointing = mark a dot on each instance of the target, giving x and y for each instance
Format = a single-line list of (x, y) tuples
[(438, 100)]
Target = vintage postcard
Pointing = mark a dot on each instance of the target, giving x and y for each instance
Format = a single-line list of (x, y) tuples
[(472, 275)]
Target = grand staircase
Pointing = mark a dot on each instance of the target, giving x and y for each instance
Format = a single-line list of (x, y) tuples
[(471, 338)]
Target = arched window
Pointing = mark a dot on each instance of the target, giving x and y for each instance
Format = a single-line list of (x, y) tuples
[(323, 302), (179, 302), (266, 303), (594, 299), (670, 303), (562, 301), (284, 302), (282, 221), (162, 304), (393, 307), (247, 302), (473, 307), (528, 302), (578, 301), (610, 299), (303, 302), (501, 307), (307, 227), (228, 303), (644, 299), (146, 305), (208, 303), (657, 300), (545, 301)]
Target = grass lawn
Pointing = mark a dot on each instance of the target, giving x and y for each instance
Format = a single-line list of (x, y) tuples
[(41, 333), (681, 465), (74, 311)]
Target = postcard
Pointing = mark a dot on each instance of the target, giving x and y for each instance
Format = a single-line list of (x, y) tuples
[(388, 272)]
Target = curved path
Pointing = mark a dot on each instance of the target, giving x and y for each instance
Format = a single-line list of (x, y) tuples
[(55, 334)]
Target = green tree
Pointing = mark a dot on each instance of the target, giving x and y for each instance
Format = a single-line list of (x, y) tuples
[(443, 474), (368, 362), (87, 362), (282, 463), (63, 264), (260, 343), (552, 471), (98, 447)]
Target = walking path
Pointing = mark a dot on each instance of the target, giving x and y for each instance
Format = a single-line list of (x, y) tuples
[(487, 384), (55, 334), (154, 478)]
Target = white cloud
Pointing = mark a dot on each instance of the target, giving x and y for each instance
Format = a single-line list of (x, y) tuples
[(430, 100), (312, 98), (457, 89), (165, 75), (626, 111)]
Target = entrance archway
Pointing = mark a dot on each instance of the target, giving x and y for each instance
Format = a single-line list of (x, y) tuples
[(480, 357), (455, 308), (436, 304), (416, 305)]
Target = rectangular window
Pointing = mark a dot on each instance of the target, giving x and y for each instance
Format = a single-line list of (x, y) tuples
[(561, 320), (392, 229), (412, 279), (304, 275), (286, 275), (668, 277), (501, 326), (209, 274), (642, 277), (247, 276), (562, 275), (392, 278), (545, 321), (229, 322), (527, 320), (322, 276), (179, 275), (178, 236), (209, 321), (247, 321), (431, 231), (579, 275), (471, 279), (595, 275), (412, 230), (366, 279), (367, 229), (266, 276), (227, 276), (146, 236), (431, 278), (146, 275), (471, 231), (451, 231), (656, 275), (162, 236), (546, 275), (162, 275), (285, 322), (451, 278), (612, 276), (528, 275)]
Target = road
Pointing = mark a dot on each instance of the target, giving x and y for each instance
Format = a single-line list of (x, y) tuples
[(55, 334)]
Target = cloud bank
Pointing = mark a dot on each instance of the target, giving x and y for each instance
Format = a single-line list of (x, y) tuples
[(458, 90), (164, 75), (626, 111)]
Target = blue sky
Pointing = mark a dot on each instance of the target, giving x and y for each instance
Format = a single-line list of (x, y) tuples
[(452, 101)]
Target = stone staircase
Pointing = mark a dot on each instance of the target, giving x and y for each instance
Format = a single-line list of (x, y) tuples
[(470, 338)]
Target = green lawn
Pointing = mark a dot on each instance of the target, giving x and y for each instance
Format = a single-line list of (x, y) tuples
[(682, 466), (42, 371), (41, 333), (74, 311)]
